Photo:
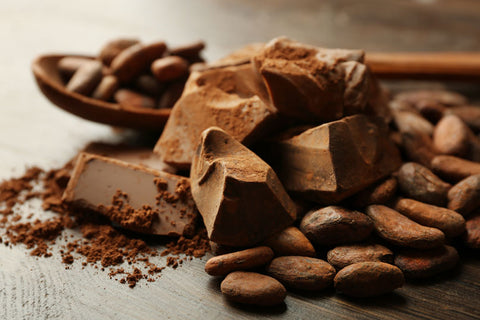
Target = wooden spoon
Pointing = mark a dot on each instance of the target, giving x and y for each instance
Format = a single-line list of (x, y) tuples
[(425, 65), (50, 83)]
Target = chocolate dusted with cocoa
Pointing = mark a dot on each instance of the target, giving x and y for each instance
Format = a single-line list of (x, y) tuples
[(137, 198), (328, 163), (312, 83), (228, 97), (239, 196)]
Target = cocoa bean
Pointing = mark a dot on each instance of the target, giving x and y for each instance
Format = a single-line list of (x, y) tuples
[(418, 147), (431, 110), (419, 183), (464, 197), (86, 78), (69, 65), (253, 288), (302, 273), (451, 136), (335, 225), (443, 97), (453, 168), (366, 279), (106, 88), (472, 236), (469, 114), (448, 221), (131, 99), (379, 193), (111, 49), (290, 242), (400, 230), (169, 68), (343, 256), (412, 122), (240, 260), (426, 263)]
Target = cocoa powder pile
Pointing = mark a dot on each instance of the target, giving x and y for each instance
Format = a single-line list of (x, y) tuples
[(101, 245)]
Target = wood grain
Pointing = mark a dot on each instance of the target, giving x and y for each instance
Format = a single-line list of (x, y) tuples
[(34, 132)]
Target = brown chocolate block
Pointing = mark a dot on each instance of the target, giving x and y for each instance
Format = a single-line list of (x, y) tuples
[(313, 83), (227, 97), (239, 196), (137, 198), (141, 156), (330, 162)]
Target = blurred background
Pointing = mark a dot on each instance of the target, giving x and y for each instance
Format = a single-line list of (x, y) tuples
[(33, 131)]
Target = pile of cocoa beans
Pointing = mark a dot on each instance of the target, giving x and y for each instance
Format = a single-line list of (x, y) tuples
[(403, 227)]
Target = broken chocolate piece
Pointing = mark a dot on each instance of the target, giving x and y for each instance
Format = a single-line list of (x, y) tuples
[(330, 162), (239, 196), (137, 198), (227, 97), (142, 156), (309, 83)]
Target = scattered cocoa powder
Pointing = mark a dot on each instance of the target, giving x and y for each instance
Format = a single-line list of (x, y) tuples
[(100, 243)]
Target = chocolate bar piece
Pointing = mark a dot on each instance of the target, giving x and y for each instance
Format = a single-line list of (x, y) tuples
[(239, 196), (141, 156), (137, 198), (330, 162), (228, 97)]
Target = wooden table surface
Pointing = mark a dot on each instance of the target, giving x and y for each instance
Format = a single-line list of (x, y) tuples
[(33, 132)]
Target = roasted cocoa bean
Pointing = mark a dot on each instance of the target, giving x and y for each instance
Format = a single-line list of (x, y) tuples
[(169, 68), (131, 99), (443, 97), (106, 88), (302, 273), (453, 168), (400, 230), (469, 114), (343, 256), (366, 279), (379, 193), (253, 288), (335, 225), (69, 65), (418, 147), (426, 263), (240, 260), (472, 236), (86, 78), (412, 122), (290, 242), (112, 48), (448, 221), (464, 197), (419, 183), (451, 136), (132, 61)]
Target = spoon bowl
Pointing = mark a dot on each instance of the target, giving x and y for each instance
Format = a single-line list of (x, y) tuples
[(49, 80)]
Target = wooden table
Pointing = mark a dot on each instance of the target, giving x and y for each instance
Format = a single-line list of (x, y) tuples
[(33, 132)]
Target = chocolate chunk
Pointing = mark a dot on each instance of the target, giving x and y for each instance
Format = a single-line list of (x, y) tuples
[(142, 156), (330, 162), (239, 196), (310, 83), (227, 97), (137, 198)]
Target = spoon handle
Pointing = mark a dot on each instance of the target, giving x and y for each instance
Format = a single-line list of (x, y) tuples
[(425, 65)]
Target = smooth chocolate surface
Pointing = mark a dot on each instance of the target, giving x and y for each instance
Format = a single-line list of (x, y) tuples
[(241, 200), (138, 198)]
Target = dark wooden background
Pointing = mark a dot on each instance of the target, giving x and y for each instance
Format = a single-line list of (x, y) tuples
[(33, 132)]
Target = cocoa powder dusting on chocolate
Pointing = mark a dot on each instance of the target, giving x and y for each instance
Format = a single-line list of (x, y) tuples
[(100, 242)]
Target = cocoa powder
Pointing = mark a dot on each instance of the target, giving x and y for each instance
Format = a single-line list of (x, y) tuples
[(101, 245)]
